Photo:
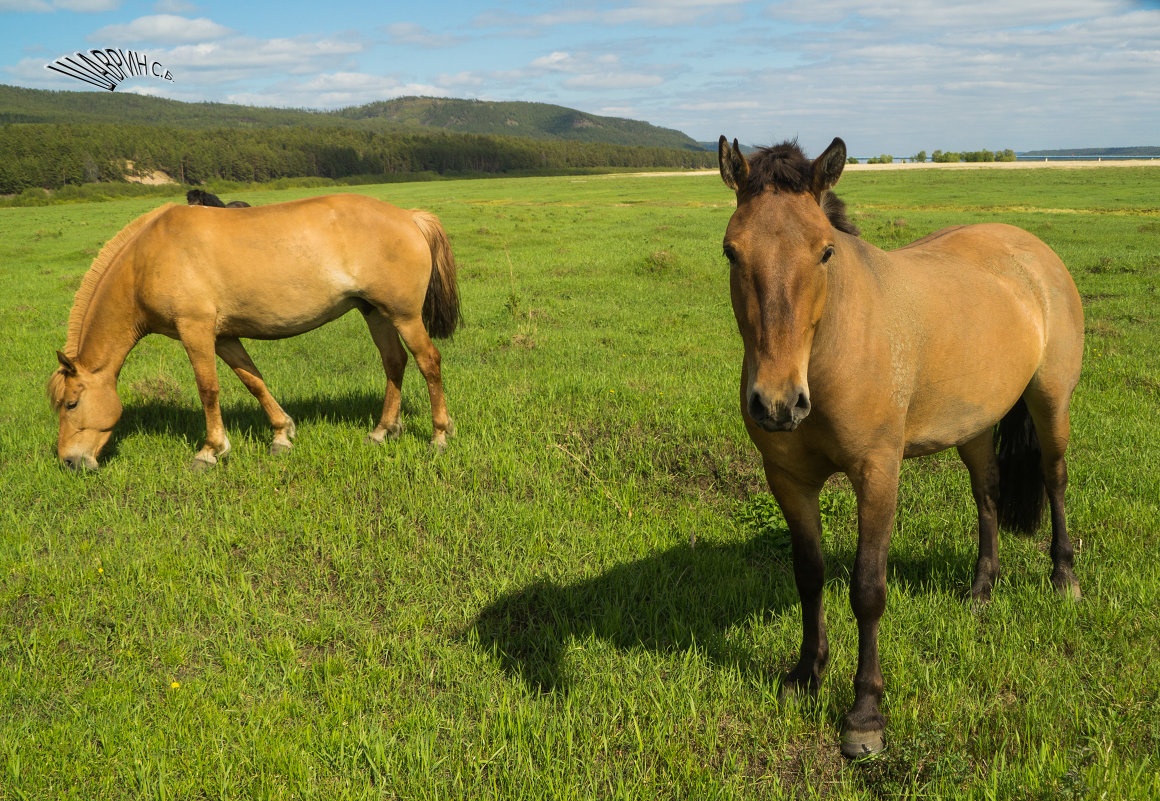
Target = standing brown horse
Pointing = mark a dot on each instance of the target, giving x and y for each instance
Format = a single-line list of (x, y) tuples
[(856, 359), (209, 279)]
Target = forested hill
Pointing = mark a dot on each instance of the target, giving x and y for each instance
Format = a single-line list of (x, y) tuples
[(409, 114), (531, 120), (54, 140)]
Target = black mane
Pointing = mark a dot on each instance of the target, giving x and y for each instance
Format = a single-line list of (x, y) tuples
[(787, 169)]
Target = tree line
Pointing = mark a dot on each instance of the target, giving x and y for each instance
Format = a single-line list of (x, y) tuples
[(948, 157), (54, 155)]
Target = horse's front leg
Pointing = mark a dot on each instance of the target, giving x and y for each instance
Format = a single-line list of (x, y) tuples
[(199, 342), (799, 505), (876, 485)]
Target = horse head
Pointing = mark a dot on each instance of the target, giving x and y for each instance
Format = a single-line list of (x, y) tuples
[(89, 409), (781, 245)]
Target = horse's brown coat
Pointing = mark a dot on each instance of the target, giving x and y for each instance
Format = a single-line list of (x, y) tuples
[(856, 358), (210, 277)]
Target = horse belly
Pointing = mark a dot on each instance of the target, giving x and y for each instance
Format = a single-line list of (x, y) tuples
[(968, 391), (285, 318)]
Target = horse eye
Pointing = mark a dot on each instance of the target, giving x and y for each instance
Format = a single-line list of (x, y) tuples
[(827, 254), (730, 254), (72, 405)]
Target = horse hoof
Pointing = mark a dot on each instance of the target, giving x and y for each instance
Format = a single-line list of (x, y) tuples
[(439, 443), (279, 448), (200, 465), (1065, 584), (381, 435), (861, 744), (1070, 591), (802, 692)]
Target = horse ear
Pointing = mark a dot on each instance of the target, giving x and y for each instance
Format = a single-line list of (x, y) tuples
[(66, 364), (828, 167), (734, 167)]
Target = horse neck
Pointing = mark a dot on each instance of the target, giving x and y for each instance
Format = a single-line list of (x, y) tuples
[(853, 303), (113, 326)]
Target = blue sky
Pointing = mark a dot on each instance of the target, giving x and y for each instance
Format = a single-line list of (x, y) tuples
[(887, 76)]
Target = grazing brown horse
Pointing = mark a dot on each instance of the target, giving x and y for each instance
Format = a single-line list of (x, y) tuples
[(210, 279), (856, 359), (200, 197)]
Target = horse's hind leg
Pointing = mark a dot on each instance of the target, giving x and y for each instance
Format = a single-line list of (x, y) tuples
[(1049, 410), (394, 363), (234, 354), (979, 457), (427, 357)]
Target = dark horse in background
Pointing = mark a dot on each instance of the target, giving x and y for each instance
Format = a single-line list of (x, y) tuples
[(856, 359), (200, 197)]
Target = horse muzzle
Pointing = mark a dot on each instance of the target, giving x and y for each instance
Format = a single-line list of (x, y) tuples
[(782, 414), (79, 463)]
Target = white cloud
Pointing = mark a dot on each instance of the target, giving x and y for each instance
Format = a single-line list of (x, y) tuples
[(335, 90), (940, 16), (460, 79), (174, 7), (162, 29), (37, 6), (587, 71), (655, 13), (243, 57), (406, 33), (613, 80), (44, 7), (720, 106), (87, 6)]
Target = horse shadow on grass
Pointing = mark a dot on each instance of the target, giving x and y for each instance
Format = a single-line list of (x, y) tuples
[(680, 599), (245, 419)]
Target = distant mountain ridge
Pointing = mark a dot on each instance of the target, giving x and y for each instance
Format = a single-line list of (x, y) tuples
[(407, 114)]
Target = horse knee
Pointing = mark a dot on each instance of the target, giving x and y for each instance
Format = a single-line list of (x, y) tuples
[(868, 597)]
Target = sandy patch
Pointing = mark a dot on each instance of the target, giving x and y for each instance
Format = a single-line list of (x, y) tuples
[(152, 178)]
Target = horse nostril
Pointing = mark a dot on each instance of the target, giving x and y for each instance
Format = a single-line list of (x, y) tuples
[(803, 404), (757, 408)]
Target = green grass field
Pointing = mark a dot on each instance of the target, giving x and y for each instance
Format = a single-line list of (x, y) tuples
[(524, 615)]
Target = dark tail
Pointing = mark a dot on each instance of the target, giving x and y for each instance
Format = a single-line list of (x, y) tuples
[(1021, 488), (441, 306)]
